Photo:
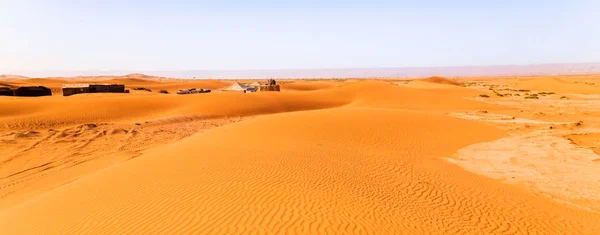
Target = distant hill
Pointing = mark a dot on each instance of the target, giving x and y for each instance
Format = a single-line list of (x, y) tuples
[(136, 75), (10, 76)]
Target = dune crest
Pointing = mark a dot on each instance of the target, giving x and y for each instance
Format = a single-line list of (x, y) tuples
[(442, 80)]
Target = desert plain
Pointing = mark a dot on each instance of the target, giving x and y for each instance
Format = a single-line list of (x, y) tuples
[(488, 155)]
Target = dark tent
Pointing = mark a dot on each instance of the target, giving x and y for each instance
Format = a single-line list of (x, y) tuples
[(33, 91), (5, 91), (116, 88), (71, 89)]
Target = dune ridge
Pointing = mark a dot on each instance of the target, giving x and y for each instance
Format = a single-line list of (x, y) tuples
[(25, 113), (442, 80)]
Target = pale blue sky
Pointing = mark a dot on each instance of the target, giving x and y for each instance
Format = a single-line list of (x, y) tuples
[(224, 35)]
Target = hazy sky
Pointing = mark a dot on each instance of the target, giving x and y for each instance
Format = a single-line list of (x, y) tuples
[(224, 35)]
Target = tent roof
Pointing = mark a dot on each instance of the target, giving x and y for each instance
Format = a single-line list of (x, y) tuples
[(75, 85), (238, 86)]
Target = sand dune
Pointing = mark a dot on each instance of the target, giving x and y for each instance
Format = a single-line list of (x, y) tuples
[(37, 161), (35, 81), (302, 182), (441, 80), (129, 81), (428, 85), (382, 94), (443, 89), (11, 76), (307, 85), (557, 85), (325, 157), (25, 113)]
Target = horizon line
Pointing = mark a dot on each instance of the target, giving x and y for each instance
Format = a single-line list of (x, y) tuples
[(349, 72)]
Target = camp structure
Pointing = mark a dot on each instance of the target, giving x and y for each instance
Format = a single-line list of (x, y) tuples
[(5, 91), (32, 91), (72, 89), (142, 89), (270, 85), (241, 88)]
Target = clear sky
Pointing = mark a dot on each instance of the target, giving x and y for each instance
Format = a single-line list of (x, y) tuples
[(232, 35)]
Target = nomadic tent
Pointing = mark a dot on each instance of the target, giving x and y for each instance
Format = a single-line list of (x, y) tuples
[(269, 88), (113, 88), (32, 91), (270, 85), (72, 89), (240, 87), (5, 91)]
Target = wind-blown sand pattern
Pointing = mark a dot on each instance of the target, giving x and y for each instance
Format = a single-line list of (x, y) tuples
[(333, 157), (547, 164)]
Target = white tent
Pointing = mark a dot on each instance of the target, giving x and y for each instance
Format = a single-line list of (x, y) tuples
[(239, 87)]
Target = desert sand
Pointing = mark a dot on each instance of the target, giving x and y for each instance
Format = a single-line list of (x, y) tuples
[(385, 156)]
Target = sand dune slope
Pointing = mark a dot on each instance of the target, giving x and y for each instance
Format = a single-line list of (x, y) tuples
[(364, 157), (442, 80), (442, 89), (347, 170), (19, 113), (51, 112), (307, 85), (386, 95)]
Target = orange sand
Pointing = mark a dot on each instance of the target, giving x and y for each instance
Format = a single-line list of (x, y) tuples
[(441, 80), (558, 85), (588, 140), (320, 157), (308, 85)]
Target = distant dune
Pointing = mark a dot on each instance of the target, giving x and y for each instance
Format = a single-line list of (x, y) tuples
[(441, 80), (8, 76), (43, 80)]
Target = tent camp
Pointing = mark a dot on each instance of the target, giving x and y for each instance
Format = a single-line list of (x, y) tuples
[(270, 85), (256, 84), (72, 89), (241, 88)]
